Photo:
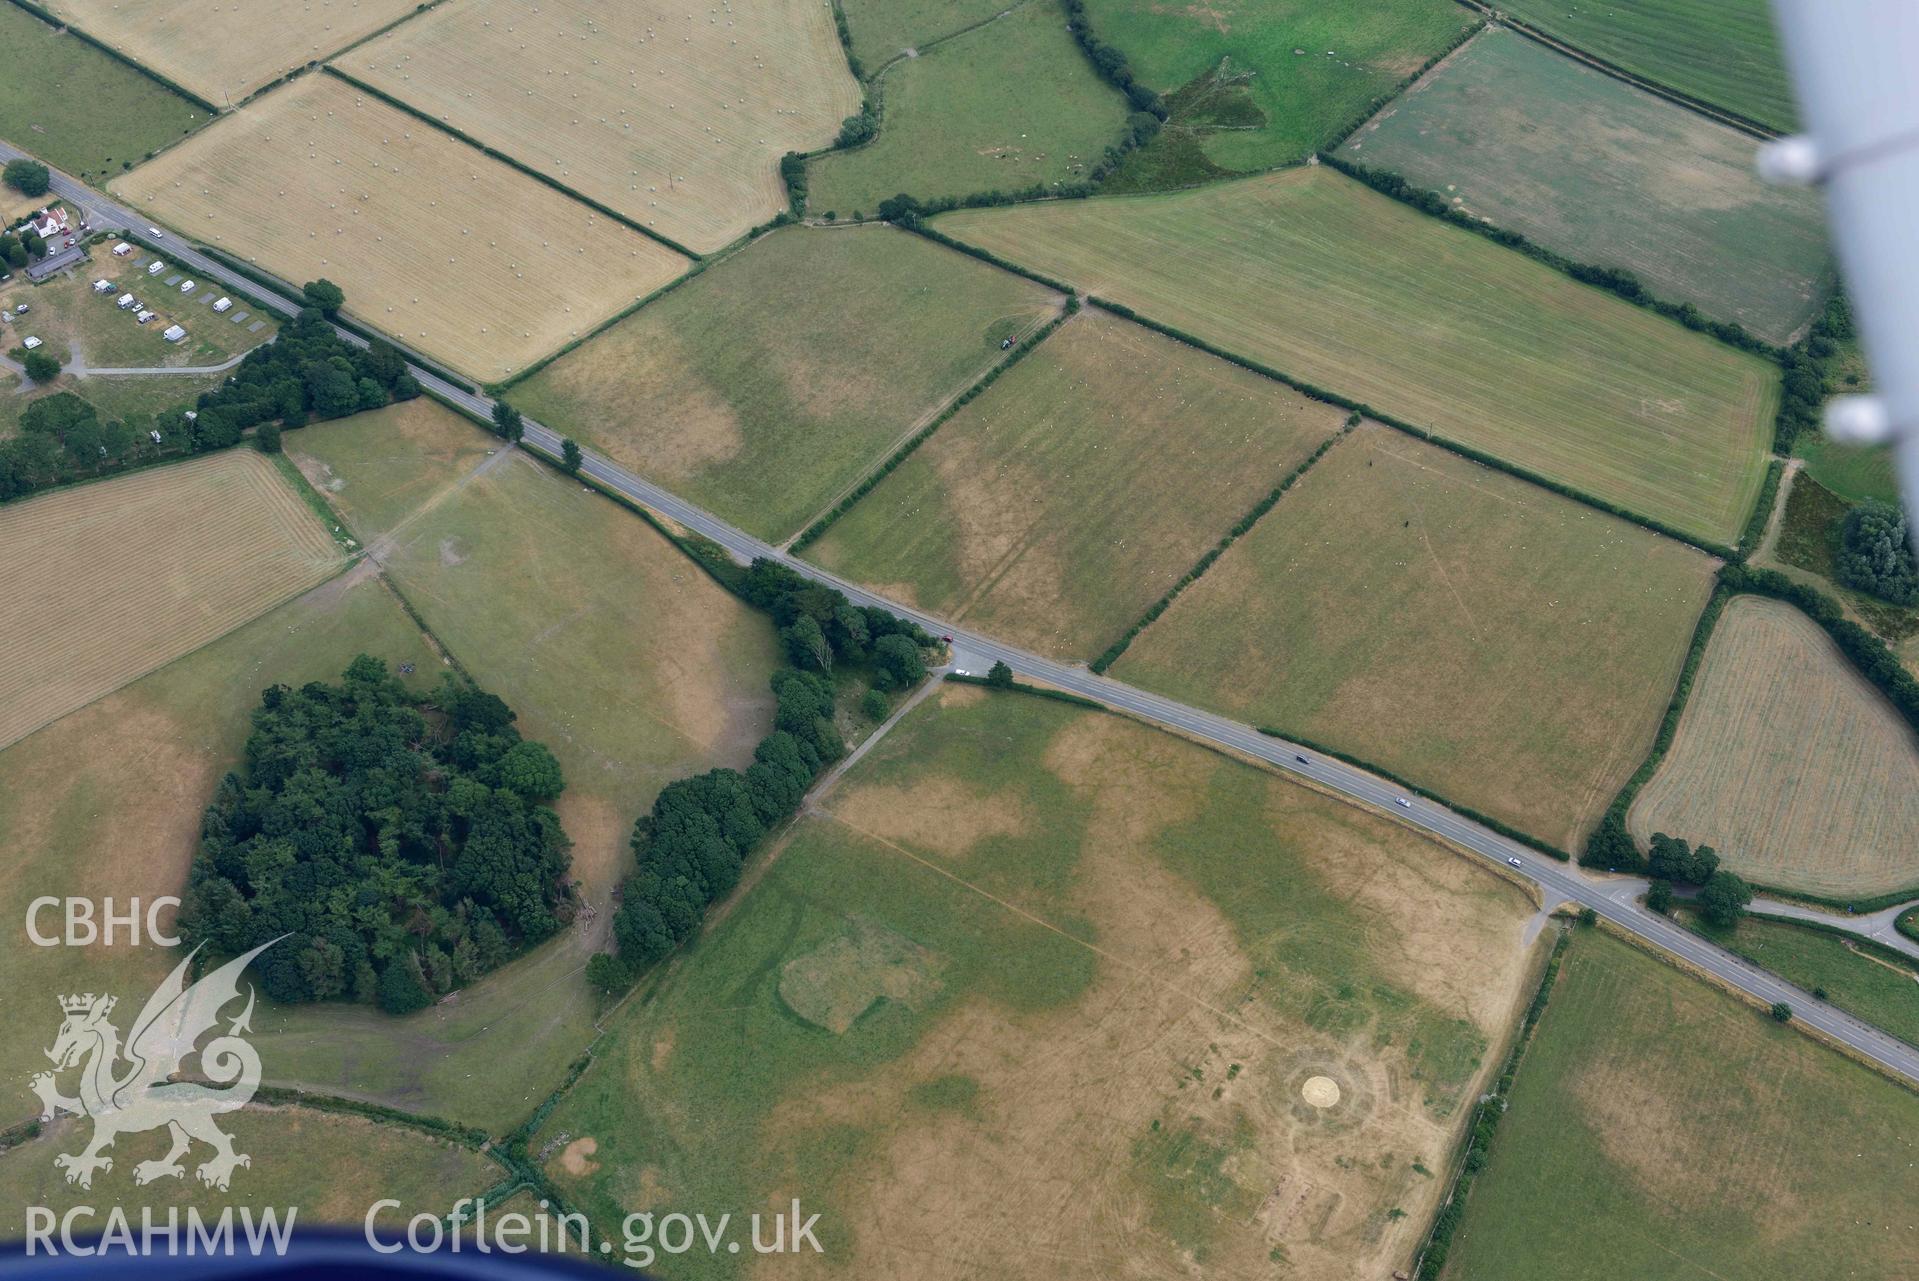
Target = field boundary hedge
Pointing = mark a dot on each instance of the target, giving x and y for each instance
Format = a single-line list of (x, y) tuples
[(1385, 99), (1761, 517), (1679, 97), (567, 348), (812, 532), (1233, 535), (87, 37), (1469, 452), (1036, 691), (1500, 826), (1430, 1260), (452, 130), (1610, 845), (1863, 943), (1617, 281)]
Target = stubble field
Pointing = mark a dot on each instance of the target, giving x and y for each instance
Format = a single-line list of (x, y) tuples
[(105, 582), (1702, 1140), (1327, 281), (1723, 51), (1506, 647), (676, 119), (1044, 984), (1607, 173), (225, 51), (450, 251), (721, 392), (1057, 507), (1789, 763)]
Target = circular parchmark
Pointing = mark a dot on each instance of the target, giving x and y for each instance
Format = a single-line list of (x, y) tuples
[(1320, 1091)]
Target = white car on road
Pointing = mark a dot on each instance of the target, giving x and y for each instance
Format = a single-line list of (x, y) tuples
[(154, 232), (1402, 802)]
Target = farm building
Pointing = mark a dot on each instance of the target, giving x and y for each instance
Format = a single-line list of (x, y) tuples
[(174, 333), (53, 263)]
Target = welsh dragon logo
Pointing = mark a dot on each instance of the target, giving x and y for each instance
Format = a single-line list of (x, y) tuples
[(129, 1089)]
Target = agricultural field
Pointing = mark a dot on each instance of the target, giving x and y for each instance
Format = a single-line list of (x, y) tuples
[(1591, 167), (1876, 985), (615, 650), (225, 51), (1010, 105), (1310, 70), (318, 180), (1506, 648), (329, 1167), (133, 399), (1057, 507), (1789, 763), (1703, 1139), (674, 119), (67, 313), (1853, 472), (1284, 1005), (1724, 52), (1328, 281), (109, 580), (109, 800), (719, 393), (77, 108), (885, 29)]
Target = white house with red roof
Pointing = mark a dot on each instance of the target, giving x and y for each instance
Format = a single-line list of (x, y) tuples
[(50, 223)]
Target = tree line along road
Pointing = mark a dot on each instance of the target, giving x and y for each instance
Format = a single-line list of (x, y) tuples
[(1557, 881)]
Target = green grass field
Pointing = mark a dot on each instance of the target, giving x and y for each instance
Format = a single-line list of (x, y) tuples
[(1662, 1130), (128, 399), (1722, 51), (326, 1167), (66, 311), (1853, 472), (1808, 540), (1004, 107), (1330, 282), (1316, 68), (1501, 645), (69, 104), (1056, 508), (883, 29), (1591, 167), (769, 385), (1035, 971), (1880, 989)]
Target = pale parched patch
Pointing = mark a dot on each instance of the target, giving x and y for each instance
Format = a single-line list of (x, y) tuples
[(837, 982)]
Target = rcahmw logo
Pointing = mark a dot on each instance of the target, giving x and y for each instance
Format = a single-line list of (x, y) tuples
[(129, 1088)]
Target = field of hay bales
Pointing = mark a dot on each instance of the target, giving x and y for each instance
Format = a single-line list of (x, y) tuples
[(105, 582), (1789, 763), (327, 1167), (1701, 1138), (1057, 507), (1312, 68), (1035, 973), (77, 108), (1725, 52), (1508, 648), (723, 393), (1004, 107), (450, 251), (1603, 172), (1328, 281), (674, 118), (225, 51)]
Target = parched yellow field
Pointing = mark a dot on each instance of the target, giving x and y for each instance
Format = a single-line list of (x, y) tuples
[(676, 118), (1789, 763), (225, 49), (105, 582), (456, 254)]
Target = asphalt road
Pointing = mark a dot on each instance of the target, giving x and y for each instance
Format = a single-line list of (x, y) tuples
[(1612, 899)]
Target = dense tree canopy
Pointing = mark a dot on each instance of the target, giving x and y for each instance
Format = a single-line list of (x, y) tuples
[(1671, 859), (406, 846), (28, 177), (1875, 554)]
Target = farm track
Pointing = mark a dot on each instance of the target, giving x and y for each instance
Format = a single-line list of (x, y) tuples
[(1554, 880)]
